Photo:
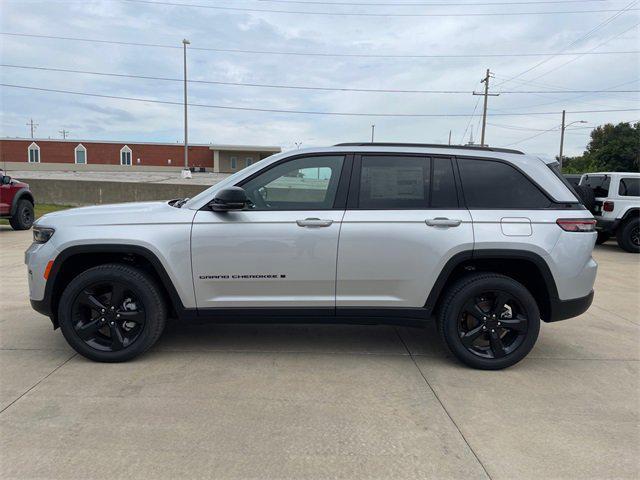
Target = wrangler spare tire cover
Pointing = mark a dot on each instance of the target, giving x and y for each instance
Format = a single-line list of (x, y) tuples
[(587, 197)]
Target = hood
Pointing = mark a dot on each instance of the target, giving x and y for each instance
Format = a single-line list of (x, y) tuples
[(117, 214)]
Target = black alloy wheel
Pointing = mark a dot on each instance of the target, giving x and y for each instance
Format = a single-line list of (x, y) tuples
[(489, 321), (112, 312), (628, 235), (492, 324), (108, 316)]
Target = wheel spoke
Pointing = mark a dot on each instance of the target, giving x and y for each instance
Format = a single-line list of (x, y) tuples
[(117, 340), (131, 316), (469, 337), (499, 303), (518, 324), (475, 311), (117, 295), (89, 300), (497, 347), (89, 329)]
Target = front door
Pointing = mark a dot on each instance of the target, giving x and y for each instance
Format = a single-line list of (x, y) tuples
[(403, 222), (281, 251)]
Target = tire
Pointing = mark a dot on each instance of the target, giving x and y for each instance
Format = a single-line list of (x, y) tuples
[(106, 332), (602, 237), (587, 197), (513, 342), (628, 235), (24, 216)]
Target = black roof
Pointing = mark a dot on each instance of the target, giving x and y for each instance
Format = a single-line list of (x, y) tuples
[(429, 145)]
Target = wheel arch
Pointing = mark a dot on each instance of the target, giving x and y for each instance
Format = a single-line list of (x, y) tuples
[(22, 194), (526, 267), (76, 259)]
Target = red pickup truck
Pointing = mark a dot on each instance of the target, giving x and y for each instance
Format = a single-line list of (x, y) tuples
[(16, 202)]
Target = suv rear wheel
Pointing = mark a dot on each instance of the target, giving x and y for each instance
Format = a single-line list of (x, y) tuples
[(23, 218), (489, 321), (112, 313), (628, 235)]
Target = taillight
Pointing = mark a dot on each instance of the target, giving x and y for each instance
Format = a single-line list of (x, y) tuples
[(577, 224), (607, 206)]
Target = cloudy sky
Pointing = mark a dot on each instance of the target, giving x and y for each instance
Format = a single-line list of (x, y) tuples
[(362, 27)]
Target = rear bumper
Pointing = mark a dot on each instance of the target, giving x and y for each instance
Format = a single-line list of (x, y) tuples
[(607, 225), (563, 309)]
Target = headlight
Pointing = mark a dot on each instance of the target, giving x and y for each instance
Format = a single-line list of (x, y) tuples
[(42, 234)]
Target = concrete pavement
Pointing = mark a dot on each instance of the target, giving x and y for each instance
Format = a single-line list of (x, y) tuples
[(322, 401)]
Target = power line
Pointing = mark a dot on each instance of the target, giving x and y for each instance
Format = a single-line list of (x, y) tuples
[(602, 24), (314, 54), (531, 137), (303, 112), (427, 4), (295, 87), (352, 14)]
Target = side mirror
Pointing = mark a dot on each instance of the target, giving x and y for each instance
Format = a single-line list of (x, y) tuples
[(6, 180), (227, 199)]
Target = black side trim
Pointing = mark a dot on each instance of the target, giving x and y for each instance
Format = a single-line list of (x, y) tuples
[(20, 194), (563, 309), (47, 306)]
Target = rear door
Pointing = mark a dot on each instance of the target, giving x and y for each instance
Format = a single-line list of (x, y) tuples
[(403, 222)]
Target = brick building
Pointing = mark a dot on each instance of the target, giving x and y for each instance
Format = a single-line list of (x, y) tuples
[(47, 154)]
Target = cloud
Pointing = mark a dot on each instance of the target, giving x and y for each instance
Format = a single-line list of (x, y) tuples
[(94, 118)]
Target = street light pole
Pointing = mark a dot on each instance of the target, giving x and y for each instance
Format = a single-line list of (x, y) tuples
[(185, 42), (373, 131), (563, 127)]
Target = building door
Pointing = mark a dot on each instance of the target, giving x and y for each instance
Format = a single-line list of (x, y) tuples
[(282, 251)]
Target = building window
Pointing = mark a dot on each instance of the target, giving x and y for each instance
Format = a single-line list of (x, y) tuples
[(80, 154), (234, 163), (248, 161), (125, 155), (34, 153)]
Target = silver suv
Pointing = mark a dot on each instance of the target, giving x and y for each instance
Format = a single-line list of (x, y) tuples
[(488, 240)]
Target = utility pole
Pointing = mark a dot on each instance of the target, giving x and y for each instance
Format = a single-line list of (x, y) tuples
[(185, 42), (563, 127), (33, 126), (373, 131), (449, 137), (486, 96), (64, 133)]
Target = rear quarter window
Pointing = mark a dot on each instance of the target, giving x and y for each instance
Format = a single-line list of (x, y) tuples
[(489, 184), (629, 187)]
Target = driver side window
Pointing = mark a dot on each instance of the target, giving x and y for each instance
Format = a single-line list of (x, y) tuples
[(308, 183)]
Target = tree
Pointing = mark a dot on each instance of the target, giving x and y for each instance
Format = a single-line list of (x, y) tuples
[(613, 148)]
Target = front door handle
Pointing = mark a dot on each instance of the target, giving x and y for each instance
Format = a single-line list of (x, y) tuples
[(314, 222), (443, 222)]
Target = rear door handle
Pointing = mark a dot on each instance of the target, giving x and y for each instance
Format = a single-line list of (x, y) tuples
[(443, 222), (314, 222)]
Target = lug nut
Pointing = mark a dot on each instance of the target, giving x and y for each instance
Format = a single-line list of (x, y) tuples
[(112, 324), (499, 324), (484, 328), (113, 308), (118, 316), (102, 319), (102, 310), (493, 331)]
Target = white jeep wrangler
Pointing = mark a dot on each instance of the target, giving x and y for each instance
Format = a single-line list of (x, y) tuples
[(616, 207), (489, 240)]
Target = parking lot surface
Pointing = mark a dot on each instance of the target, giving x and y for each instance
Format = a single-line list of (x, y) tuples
[(319, 402)]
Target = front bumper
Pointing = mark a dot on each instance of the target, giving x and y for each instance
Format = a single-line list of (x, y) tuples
[(563, 309)]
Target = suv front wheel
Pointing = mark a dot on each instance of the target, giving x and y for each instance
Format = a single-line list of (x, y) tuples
[(489, 321), (112, 313)]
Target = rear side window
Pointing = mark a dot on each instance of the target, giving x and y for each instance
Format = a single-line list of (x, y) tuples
[(598, 183), (629, 187), (388, 182), (490, 184)]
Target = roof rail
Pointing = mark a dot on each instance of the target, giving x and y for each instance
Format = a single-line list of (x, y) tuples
[(429, 145)]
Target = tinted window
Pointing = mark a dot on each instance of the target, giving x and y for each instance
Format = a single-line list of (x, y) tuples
[(443, 185), (629, 187), (490, 184), (307, 183), (394, 182), (598, 183)]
